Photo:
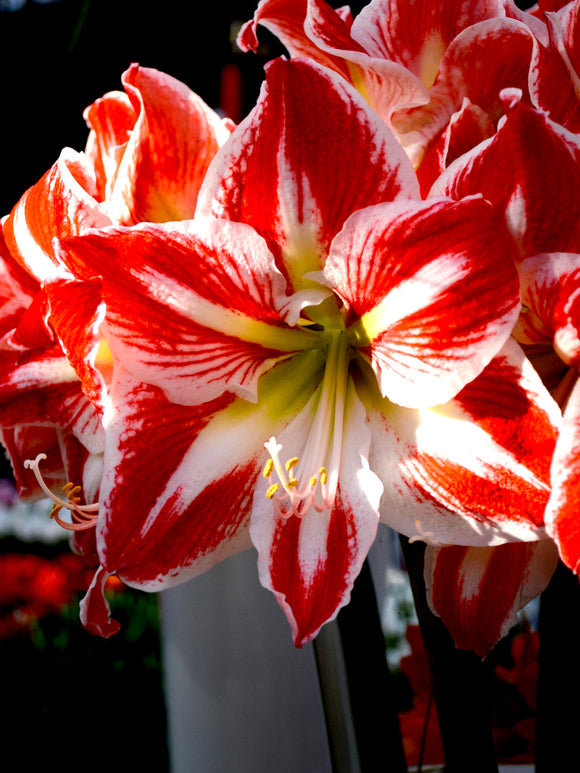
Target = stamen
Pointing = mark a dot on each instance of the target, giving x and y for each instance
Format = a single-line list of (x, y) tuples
[(82, 516), (303, 483)]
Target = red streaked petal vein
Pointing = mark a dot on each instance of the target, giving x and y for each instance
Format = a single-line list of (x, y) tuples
[(60, 204), (288, 169), (434, 289), (193, 311), (184, 475), (477, 591), (476, 470), (311, 563)]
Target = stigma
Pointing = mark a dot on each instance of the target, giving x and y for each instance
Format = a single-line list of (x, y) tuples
[(82, 516)]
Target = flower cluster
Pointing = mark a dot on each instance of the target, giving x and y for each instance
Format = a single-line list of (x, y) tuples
[(357, 306)]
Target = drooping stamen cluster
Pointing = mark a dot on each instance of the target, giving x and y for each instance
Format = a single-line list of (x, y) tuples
[(316, 485), (287, 495), (82, 516)]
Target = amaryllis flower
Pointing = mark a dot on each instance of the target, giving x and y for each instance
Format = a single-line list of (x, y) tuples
[(416, 67), (145, 159), (320, 356), (146, 156)]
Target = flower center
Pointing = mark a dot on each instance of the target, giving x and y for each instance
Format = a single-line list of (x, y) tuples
[(82, 516), (311, 480)]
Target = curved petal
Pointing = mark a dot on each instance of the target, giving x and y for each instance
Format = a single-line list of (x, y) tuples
[(172, 143), (61, 204), (539, 192), (76, 313), (434, 291), (191, 310), (111, 119), (550, 288), (311, 562), (478, 592), (288, 169), (474, 471)]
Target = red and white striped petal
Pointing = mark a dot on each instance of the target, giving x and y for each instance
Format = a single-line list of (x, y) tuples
[(311, 562), (17, 290), (111, 119), (474, 471), (77, 311), (562, 511), (288, 169), (434, 292), (539, 192), (478, 591), (194, 311), (178, 480), (61, 204), (171, 145), (286, 19)]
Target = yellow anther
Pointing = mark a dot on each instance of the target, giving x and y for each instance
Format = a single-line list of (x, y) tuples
[(293, 483), (269, 466), (323, 475), (272, 490), (68, 487), (54, 510), (312, 481), (292, 463)]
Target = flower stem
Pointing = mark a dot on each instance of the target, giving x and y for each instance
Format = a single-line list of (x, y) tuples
[(462, 683), (360, 645)]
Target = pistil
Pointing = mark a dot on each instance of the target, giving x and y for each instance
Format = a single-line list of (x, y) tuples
[(300, 484)]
